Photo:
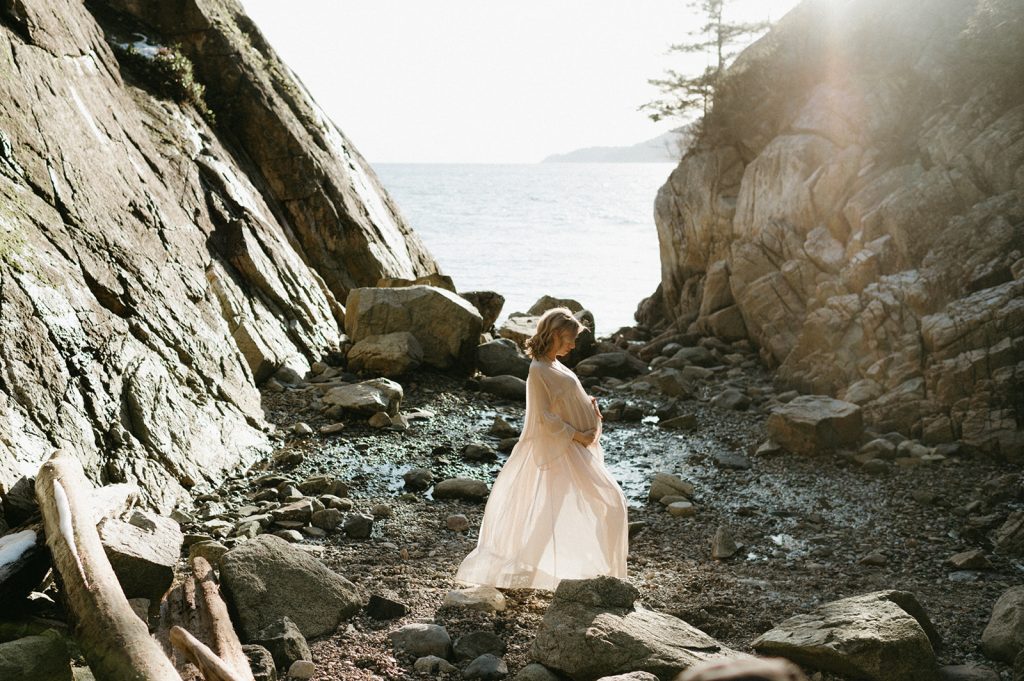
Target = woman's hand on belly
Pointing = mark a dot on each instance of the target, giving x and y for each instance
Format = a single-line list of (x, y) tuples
[(585, 437)]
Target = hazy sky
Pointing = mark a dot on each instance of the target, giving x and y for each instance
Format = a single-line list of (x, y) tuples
[(479, 81)]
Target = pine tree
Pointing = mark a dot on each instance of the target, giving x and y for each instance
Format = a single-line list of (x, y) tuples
[(718, 39)]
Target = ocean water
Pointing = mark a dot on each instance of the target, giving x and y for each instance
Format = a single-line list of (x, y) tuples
[(572, 230)]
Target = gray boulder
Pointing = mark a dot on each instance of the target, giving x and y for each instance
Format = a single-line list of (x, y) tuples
[(367, 397), (665, 484), (284, 641), (389, 354), (695, 356), (486, 667), (488, 304), (881, 636), (616, 364), (592, 629), (502, 357), (40, 658), (266, 578), (469, 489), (511, 387), (446, 325), (1003, 638), (420, 639), (812, 423), (142, 552), (476, 643), (536, 672)]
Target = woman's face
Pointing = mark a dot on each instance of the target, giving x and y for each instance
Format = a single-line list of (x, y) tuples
[(565, 341)]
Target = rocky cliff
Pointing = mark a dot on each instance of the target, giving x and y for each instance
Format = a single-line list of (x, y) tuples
[(856, 208), (178, 221)]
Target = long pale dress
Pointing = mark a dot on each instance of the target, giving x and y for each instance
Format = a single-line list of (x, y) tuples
[(554, 510)]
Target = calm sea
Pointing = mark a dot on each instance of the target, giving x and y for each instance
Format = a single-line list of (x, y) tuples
[(572, 230)]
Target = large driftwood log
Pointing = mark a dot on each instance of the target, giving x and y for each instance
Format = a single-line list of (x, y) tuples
[(194, 605), (116, 643)]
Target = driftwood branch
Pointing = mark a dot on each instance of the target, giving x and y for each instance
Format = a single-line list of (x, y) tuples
[(116, 643), (213, 613), (210, 666)]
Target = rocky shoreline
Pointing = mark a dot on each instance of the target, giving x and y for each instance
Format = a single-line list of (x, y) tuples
[(753, 510)]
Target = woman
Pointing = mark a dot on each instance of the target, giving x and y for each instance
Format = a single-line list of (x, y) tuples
[(554, 510)]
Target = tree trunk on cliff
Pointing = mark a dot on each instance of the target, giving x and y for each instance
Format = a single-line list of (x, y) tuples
[(116, 643)]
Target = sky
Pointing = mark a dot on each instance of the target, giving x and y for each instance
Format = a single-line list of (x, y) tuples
[(476, 81)]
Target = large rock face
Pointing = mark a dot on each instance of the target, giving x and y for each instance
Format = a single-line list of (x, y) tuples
[(154, 267), (859, 204)]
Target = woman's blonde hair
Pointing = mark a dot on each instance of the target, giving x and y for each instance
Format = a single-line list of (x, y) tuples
[(551, 322)]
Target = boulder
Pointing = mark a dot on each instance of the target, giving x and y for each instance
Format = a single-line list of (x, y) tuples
[(421, 639), (284, 641), (389, 354), (809, 424), (591, 629), (1003, 638), (1009, 537), (488, 304), (367, 397), (433, 279), (509, 387), (693, 356), (502, 356), (469, 489), (486, 667), (881, 636), (143, 552), (546, 302), (615, 364), (43, 657), (447, 326), (266, 579)]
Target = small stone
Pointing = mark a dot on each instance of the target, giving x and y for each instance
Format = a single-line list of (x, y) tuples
[(877, 466), (332, 428), (301, 669), (380, 511), (469, 489), (769, 448), (421, 639), (358, 526), (473, 452), (732, 460), (874, 559), (483, 597), (418, 478), (380, 420), (486, 667), (302, 429), (210, 550), (292, 536), (723, 544), (327, 519), (682, 509), (457, 523), (433, 665), (383, 608), (970, 560)]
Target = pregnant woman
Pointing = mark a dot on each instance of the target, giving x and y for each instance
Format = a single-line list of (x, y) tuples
[(554, 510)]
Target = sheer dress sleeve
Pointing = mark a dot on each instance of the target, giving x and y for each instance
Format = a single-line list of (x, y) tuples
[(545, 391)]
